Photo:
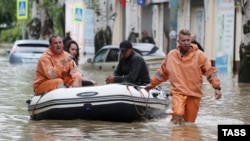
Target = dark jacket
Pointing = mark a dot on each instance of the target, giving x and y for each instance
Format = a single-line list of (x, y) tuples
[(132, 70)]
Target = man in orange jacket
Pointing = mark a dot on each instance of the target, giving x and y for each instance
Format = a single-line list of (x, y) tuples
[(184, 67), (56, 69)]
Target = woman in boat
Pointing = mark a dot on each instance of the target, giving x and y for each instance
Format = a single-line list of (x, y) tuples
[(72, 48)]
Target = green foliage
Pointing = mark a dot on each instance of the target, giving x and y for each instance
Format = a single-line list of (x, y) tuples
[(7, 12), (94, 5), (55, 11), (12, 34), (8, 16)]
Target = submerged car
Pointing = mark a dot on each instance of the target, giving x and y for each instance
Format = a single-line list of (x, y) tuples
[(27, 51), (107, 57)]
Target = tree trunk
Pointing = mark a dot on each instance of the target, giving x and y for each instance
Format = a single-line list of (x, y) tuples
[(244, 72), (47, 25)]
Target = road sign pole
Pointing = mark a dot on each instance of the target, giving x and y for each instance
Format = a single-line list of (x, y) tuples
[(22, 14), (23, 29)]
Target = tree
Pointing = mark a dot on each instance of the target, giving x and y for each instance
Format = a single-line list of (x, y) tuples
[(244, 69), (7, 13), (51, 12), (50, 21)]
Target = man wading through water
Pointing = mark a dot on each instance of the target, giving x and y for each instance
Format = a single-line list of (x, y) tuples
[(184, 67)]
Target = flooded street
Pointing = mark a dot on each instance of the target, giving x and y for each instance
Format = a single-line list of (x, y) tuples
[(15, 123)]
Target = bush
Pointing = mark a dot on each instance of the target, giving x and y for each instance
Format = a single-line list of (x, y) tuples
[(11, 34)]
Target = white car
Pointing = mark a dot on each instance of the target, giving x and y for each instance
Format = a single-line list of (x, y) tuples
[(107, 57), (27, 51)]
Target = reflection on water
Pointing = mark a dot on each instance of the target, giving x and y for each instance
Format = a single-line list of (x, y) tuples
[(183, 133), (16, 87)]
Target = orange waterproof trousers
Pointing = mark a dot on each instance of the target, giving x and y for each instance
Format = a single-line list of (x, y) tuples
[(48, 85), (185, 106)]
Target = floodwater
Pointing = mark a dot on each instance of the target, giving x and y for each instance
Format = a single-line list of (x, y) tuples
[(15, 123)]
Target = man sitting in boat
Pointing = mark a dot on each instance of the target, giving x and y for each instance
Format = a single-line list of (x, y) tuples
[(56, 69), (132, 67)]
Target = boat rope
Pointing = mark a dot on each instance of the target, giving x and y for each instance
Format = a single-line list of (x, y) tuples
[(34, 107), (142, 95)]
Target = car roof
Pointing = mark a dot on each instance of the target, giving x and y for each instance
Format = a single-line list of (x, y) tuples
[(142, 48), (136, 45), (110, 46), (142, 44), (31, 41)]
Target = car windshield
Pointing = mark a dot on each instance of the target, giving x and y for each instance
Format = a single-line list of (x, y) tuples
[(31, 48), (100, 56)]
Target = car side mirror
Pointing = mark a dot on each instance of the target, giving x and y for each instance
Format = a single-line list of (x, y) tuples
[(89, 60)]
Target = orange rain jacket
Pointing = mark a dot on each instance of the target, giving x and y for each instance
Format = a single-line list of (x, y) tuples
[(185, 72), (52, 67)]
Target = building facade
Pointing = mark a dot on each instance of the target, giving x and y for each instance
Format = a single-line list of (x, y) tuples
[(216, 23)]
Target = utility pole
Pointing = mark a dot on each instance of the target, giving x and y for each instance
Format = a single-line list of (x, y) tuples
[(173, 24)]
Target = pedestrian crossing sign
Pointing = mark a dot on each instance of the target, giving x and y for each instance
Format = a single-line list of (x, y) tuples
[(78, 14), (22, 9)]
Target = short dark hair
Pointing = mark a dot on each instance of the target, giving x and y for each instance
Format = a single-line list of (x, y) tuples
[(68, 33), (52, 37)]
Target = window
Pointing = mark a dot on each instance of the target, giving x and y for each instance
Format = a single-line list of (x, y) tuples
[(101, 56), (31, 48), (113, 55)]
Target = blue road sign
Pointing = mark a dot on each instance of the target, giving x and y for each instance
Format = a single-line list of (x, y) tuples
[(22, 9), (78, 15), (141, 2)]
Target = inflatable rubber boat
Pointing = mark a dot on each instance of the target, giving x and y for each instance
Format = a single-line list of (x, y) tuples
[(112, 102)]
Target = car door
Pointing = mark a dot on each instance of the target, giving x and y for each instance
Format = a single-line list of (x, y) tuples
[(106, 59), (112, 59)]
